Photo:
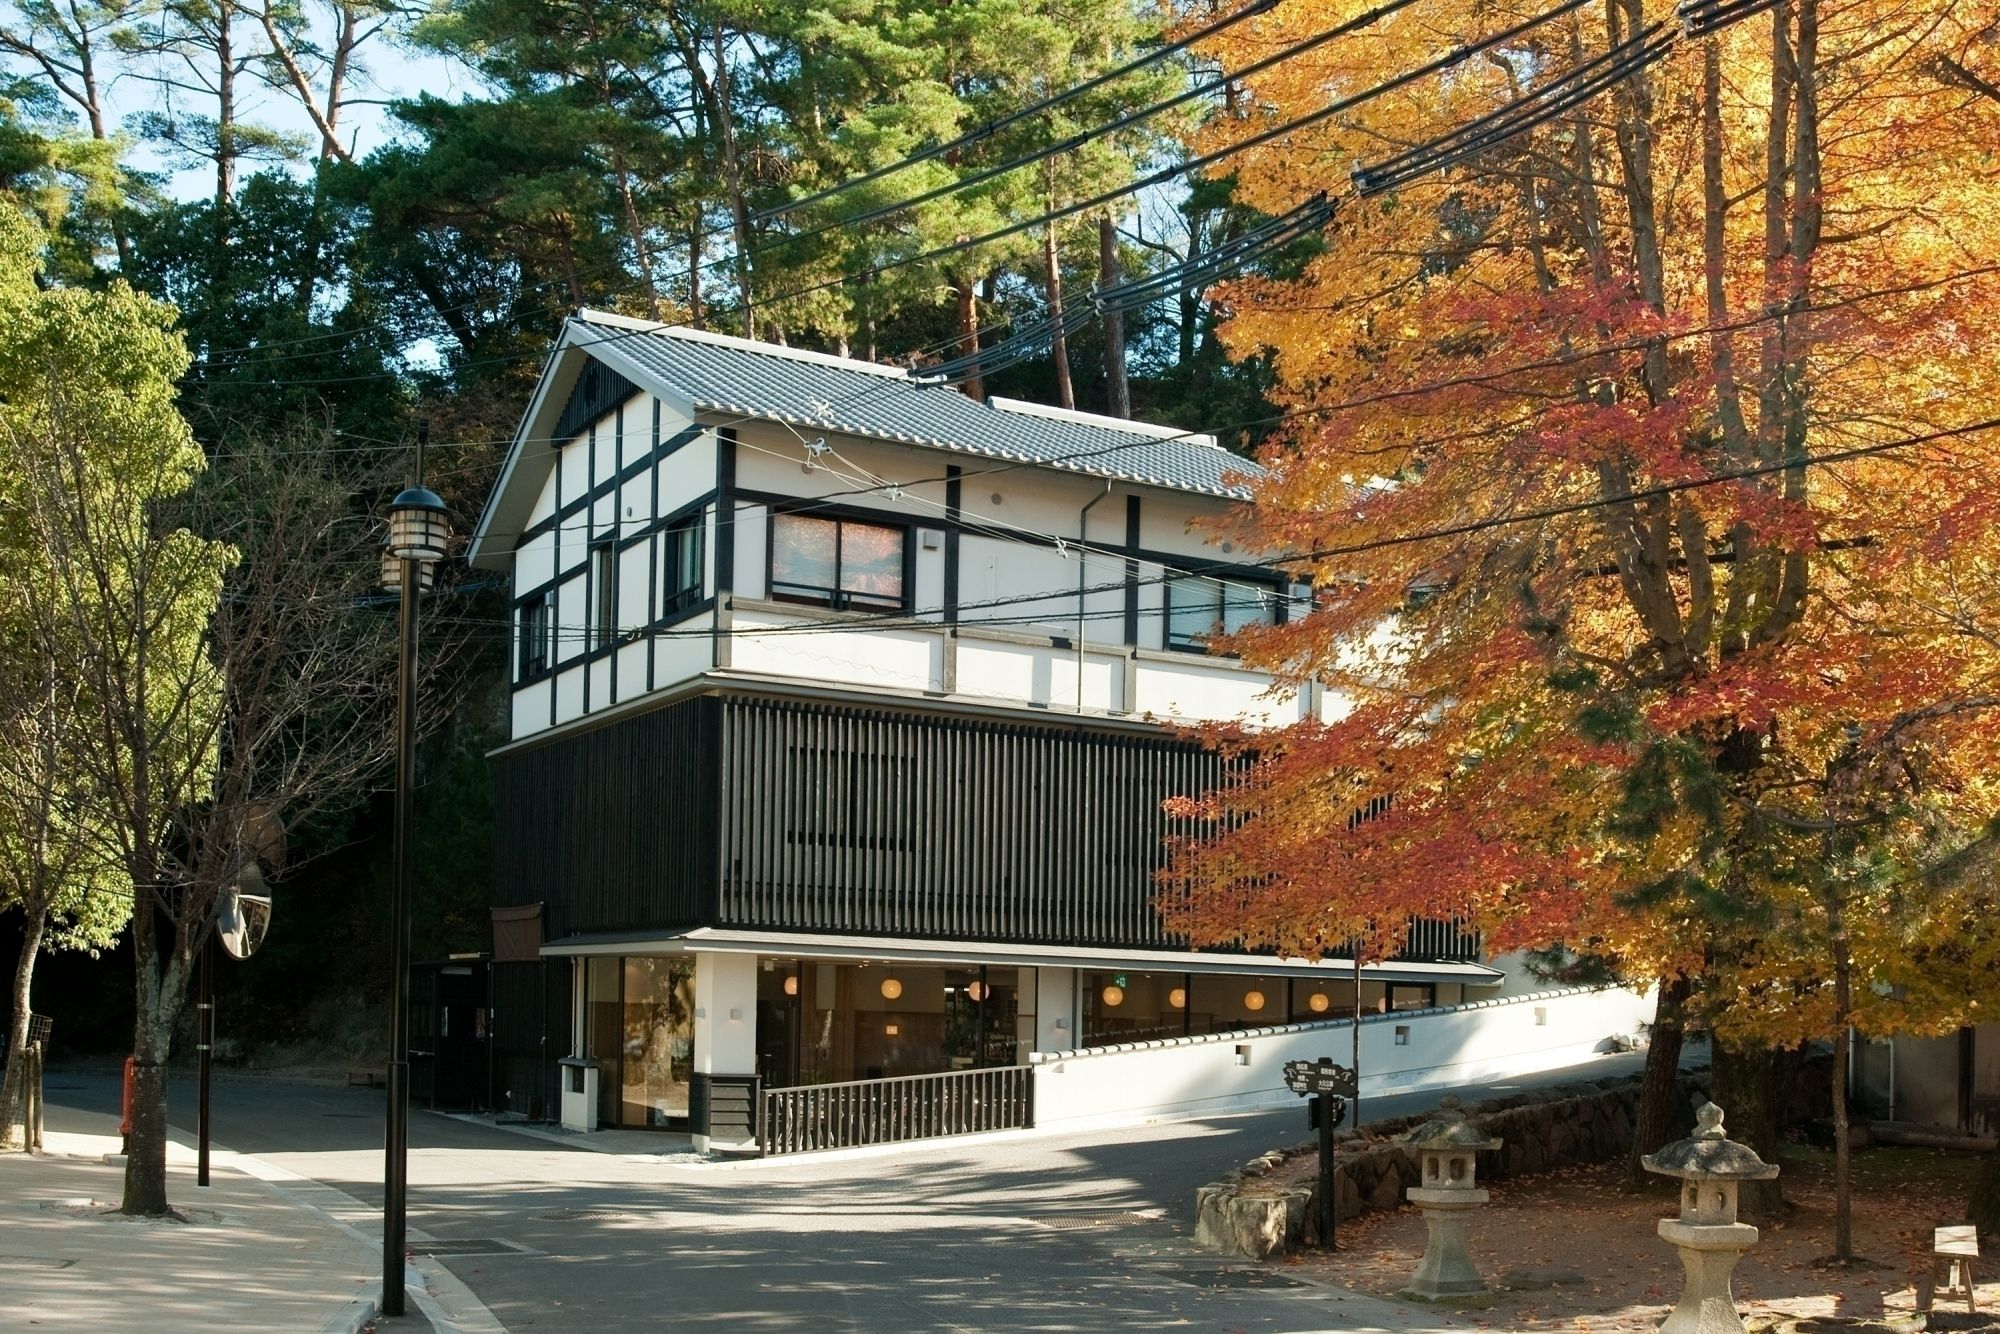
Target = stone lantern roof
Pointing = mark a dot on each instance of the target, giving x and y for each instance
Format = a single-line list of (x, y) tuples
[(1448, 1131), (1708, 1155)]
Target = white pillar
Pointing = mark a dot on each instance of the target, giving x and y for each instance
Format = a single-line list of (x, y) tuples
[(725, 1030), (1055, 1010)]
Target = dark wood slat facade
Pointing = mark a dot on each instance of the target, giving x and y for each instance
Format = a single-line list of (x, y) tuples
[(613, 828), (757, 812)]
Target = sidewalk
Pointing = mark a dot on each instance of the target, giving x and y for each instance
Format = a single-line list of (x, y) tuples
[(254, 1257)]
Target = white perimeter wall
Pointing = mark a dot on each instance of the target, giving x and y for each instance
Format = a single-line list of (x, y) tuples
[(1182, 1077)]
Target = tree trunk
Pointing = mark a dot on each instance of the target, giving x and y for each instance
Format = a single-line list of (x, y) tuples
[(1059, 342), (146, 1148), (1117, 391), (1843, 1153), (967, 318), (13, 1091), (1982, 1206), (739, 209), (1654, 1124), (1746, 1087)]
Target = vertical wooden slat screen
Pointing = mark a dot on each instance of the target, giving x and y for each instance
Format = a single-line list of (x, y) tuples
[(751, 811)]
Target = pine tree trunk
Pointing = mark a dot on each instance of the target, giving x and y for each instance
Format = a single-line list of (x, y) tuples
[(1653, 1126), (1117, 391), (13, 1091), (739, 208), (1746, 1087), (967, 317), (1059, 343)]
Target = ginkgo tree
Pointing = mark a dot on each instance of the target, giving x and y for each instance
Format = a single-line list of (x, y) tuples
[(1641, 464)]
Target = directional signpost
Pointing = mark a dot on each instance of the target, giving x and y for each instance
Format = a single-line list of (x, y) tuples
[(1329, 1086)]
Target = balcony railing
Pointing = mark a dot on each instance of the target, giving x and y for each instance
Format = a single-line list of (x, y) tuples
[(905, 1107)]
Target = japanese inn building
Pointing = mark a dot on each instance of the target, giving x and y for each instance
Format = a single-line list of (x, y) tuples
[(842, 714)]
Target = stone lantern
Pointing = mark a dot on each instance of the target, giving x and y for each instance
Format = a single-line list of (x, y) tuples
[(1447, 1147), (1710, 1167)]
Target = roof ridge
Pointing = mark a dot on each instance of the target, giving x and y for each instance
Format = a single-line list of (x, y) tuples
[(683, 332), (1028, 408)]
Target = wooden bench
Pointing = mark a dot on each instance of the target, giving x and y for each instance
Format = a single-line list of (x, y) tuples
[(373, 1077), (1953, 1249)]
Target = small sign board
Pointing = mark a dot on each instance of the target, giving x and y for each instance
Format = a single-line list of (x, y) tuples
[(1308, 1078)]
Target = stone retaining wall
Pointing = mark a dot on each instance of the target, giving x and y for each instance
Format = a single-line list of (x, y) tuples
[(1242, 1214), (1589, 1122)]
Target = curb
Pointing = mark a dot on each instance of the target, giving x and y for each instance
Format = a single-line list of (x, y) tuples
[(352, 1318)]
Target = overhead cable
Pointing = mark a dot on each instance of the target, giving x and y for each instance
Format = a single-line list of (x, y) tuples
[(990, 128)]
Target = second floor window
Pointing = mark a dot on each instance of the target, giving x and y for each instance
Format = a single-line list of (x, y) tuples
[(838, 562), (604, 594), (1200, 608), (680, 565), (537, 635)]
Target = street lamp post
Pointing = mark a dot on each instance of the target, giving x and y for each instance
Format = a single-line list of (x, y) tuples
[(417, 536)]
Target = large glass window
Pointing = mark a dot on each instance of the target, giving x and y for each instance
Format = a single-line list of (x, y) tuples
[(1133, 1007), (874, 1021), (1223, 1003), (658, 1016), (838, 562), (680, 565), (1198, 608), (639, 1027)]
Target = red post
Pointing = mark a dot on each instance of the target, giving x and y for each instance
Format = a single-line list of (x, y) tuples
[(125, 1099)]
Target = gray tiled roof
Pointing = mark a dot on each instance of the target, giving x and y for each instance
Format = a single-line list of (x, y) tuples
[(736, 377)]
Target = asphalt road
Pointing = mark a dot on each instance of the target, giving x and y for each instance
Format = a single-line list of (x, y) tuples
[(1079, 1232)]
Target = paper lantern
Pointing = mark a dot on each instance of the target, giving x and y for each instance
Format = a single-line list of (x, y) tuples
[(1114, 995), (1318, 1003), (891, 988), (1178, 998), (1253, 1001)]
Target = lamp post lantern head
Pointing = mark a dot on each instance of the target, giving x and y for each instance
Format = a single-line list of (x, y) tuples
[(418, 528), (392, 573)]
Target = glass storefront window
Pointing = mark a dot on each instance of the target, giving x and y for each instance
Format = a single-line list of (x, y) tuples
[(876, 1021), (1314, 1000), (1221, 1003), (639, 1028), (1133, 1007)]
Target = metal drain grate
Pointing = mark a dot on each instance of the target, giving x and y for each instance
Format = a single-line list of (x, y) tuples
[(1071, 1221), (468, 1246), (585, 1215), (1234, 1278)]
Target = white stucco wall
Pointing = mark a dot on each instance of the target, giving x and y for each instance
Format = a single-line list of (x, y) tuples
[(1231, 1072)]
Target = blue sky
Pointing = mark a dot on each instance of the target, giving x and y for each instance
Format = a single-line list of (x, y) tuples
[(389, 71)]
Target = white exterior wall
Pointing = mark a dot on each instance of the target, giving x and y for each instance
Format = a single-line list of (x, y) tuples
[(1021, 653), (1232, 1072), (725, 1024)]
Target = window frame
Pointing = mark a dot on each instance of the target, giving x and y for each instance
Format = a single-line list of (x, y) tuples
[(679, 594), (534, 623), (836, 598), (1271, 595), (604, 560)]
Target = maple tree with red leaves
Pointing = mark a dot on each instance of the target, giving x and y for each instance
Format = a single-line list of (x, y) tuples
[(1639, 465)]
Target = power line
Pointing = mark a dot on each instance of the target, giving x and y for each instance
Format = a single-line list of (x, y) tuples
[(1568, 360), (913, 619), (993, 127), (1123, 122), (1165, 174)]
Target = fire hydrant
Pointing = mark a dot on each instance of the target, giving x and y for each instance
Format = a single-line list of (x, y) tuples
[(1710, 1240), (1448, 1147)]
